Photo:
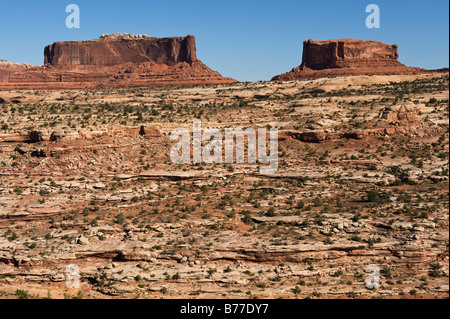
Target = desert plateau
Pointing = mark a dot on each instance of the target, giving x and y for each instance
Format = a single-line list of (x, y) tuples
[(190, 169), (86, 179)]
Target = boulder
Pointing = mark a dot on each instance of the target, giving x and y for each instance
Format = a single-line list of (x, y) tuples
[(150, 131), (83, 240)]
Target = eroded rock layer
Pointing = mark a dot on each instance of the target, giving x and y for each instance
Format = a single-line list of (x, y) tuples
[(7, 68)]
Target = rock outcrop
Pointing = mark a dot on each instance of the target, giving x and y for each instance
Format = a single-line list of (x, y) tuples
[(119, 60), (7, 68), (346, 57), (119, 50), (403, 112)]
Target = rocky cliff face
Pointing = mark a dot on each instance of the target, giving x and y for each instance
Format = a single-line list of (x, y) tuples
[(347, 57), (119, 60), (318, 55), (118, 50)]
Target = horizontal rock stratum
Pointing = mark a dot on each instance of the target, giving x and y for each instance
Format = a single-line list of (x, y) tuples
[(345, 57), (119, 60), (7, 67)]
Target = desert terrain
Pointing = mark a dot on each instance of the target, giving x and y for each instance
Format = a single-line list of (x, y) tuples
[(86, 180)]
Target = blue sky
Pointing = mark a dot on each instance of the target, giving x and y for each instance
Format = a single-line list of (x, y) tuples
[(249, 40)]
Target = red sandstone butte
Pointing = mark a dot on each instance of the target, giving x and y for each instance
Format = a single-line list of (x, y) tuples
[(114, 50), (120, 60), (346, 57)]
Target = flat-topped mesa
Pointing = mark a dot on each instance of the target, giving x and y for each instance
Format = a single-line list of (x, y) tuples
[(122, 48), (347, 57), (117, 60), (319, 55)]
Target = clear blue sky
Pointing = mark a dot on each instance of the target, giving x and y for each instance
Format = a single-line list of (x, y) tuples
[(248, 40)]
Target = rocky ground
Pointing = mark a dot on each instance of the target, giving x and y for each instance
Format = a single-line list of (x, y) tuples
[(86, 179)]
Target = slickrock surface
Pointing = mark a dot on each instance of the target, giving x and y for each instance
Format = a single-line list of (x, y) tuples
[(86, 180), (120, 60), (346, 57)]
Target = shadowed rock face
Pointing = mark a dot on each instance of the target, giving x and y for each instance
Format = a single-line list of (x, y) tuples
[(346, 57), (105, 52)]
